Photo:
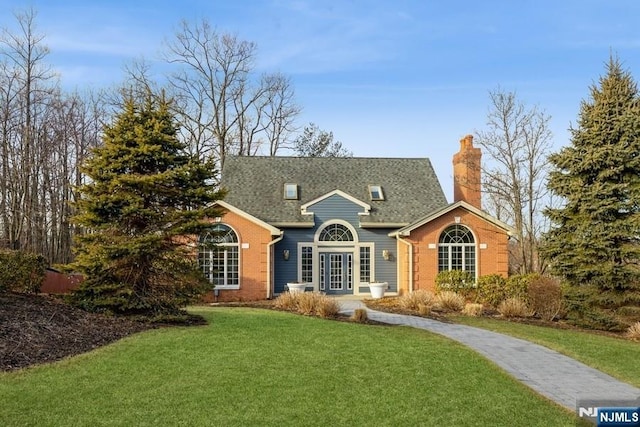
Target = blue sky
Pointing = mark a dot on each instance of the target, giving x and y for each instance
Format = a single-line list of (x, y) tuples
[(401, 78)]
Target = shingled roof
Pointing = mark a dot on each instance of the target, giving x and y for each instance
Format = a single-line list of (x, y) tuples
[(255, 184)]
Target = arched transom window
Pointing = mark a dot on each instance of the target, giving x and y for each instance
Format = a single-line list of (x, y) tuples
[(336, 233), (457, 250), (219, 256)]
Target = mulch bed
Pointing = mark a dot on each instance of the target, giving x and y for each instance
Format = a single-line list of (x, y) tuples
[(37, 329)]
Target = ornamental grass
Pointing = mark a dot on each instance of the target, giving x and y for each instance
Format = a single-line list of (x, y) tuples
[(417, 298), (514, 307), (633, 333), (473, 309), (449, 301)]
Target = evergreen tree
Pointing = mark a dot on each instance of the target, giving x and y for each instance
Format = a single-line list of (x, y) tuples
[(594, 242), (144, 198)]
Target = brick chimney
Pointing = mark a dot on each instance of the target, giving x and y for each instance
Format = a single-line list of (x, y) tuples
[(466, 173)]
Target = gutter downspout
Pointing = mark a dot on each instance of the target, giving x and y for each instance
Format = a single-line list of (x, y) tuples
[(410, 247), (270, 247)]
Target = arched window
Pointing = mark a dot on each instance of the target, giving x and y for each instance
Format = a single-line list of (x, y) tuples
[(336, 233), (219, 256), (457, 250)]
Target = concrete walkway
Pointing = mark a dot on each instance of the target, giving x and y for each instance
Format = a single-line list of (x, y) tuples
[(558, 377)]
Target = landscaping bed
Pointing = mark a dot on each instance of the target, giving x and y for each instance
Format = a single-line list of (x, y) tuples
[(37, 329), (392, 305)]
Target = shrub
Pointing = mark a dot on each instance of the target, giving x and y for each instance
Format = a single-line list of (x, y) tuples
[(359, 315), (580, 312), (308, 303), (327, 307), (286, 301), (634, 332), (491, 289), (413, 300), (424, 309), (594, 318), (517, 285), (458, 281), (450, 301), (545, 297), (514, 307), (21, 271), (629, 313), (473, 309)]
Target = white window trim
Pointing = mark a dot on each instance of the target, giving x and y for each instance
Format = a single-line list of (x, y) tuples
[(239, 245), (378, 189), (372, 263), (463, 245), (313, 260), (286, 187), (354, 249), (351, 228)]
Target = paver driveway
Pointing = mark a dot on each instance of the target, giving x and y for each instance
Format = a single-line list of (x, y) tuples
[(558, 377)]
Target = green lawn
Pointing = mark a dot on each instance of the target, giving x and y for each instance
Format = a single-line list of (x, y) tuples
[(252, 367), (617, 357)]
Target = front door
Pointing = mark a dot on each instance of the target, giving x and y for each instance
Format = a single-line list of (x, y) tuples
[(336, 272)]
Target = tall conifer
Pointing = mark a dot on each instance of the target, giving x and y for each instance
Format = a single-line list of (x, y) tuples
[(594, 242), (143, 198)]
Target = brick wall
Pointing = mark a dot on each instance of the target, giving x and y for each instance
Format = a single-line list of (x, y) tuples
[(253, 240), (466, 173), (491, 260)]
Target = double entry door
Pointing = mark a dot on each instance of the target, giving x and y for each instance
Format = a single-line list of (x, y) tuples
[(336, 272)]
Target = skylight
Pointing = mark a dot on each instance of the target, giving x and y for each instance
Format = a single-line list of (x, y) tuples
[(375, 192), (291, 191)]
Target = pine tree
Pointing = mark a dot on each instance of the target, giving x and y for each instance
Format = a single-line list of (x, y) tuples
[(594, 242), (144, 197)]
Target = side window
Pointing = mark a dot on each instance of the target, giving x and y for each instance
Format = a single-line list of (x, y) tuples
[(219, 256), (457, 250), (307, 264), (365, 264)]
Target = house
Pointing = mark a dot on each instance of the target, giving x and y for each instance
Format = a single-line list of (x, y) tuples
[(340, 224)]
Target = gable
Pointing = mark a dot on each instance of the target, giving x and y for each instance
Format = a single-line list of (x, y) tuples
[(271, 229), (338, 196), (256, 186), (446, 211)]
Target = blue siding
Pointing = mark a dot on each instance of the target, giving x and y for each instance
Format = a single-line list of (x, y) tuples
[(335, 207), (385, 271), (287, 270)]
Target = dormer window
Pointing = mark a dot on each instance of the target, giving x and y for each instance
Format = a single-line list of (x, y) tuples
[(375, 192), (291, 191)]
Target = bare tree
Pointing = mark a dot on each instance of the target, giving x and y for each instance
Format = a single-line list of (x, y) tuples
[(44, 135), (315, 142), (74, 128), (8, 133), (280, 113), (224, 107), (24, 54), (516, 144)]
